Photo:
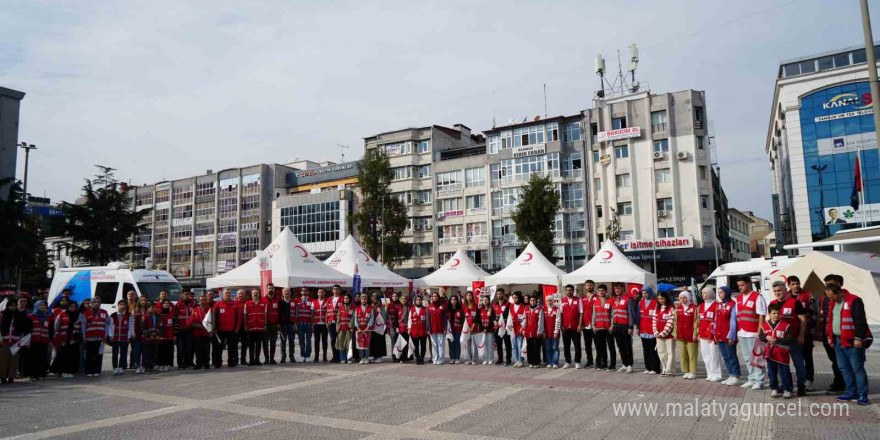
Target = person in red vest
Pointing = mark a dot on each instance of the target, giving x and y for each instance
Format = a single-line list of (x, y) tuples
[(664, 325), (320, 306), (470, 309), (163, 297), (97, 332), (344, 314), (793, 313), (502, 339), (779, 336), (622, 317), (725, 334), (848, 331), (241, 336), (810, 306), (587, 301), (403, 311), (305, 314), (201, 335), (42, 326), (183, 310), (750, 311), (533, 331), (70, 325), (137, 338), (335, 302), (570, 310), (706, 333), (226, 325), (121, 331), (438, 324), (486, 324), (151, 327), (418, 329), (456, 324), (601, 323), (255, 316), (686, 334), (646, 312), (270, 336), (552, 327), (363, 319), (392, 309), (165, 351)]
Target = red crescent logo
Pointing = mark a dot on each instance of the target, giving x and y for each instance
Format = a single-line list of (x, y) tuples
[(530, 256), (634, 291), (610, 254), (304, 251), (366, 257), (456, 262)]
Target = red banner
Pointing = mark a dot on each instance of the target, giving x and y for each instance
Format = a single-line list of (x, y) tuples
[(548, 290), (265, 280), (477, 287)]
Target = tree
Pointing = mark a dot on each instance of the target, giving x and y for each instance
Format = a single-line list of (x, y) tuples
[(535, 215), (102, 227), (20, 244), (380, 219)]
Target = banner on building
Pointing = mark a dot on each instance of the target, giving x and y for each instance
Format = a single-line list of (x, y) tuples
[(620, 133)]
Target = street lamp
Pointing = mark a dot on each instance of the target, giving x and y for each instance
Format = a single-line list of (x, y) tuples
[(818, 169), (27, 152)]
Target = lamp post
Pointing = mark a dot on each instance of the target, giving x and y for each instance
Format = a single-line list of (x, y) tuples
[(27, 153)]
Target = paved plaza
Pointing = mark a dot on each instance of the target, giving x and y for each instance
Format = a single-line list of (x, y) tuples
[(394, 401)]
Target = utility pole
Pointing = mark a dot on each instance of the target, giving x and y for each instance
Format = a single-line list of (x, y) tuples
[(872, 75), (342, 148), (27, 152)]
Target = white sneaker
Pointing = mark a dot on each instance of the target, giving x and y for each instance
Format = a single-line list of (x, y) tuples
[(757, 386), (646, 372), (549, 366), (629, 369), (714, 379), (621, 369), (732, 381), (566, 365), (491, 363), (747, 384), (652, 372), (485, 362), (786, 395), (808, 385), (774, 393), (577, 366)]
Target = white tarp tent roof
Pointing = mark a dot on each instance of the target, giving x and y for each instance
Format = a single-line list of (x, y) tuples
[(459, 271), (610, 265), (292, 266), (531, 267), (351, 255), (860, 272)]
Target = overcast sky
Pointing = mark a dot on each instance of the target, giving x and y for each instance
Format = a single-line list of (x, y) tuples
[(166, 90)]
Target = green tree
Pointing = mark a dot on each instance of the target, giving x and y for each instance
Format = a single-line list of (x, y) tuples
[(20, 245), (103, 225), (535, 215), (380, 219)]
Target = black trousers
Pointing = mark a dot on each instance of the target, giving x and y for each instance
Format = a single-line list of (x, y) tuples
[(255, 343), (808, 357), (202, 345), (70, 358), (534, 346), (624, 345), (38, 360), (832, 356), (270, 340), (93, 357), (604, 347), (589, 337), (185, 348), (569, 336), (320, 340), (504, 348), (649, 353), (165, 357), (225, 340), (419, 346), (241, 338)]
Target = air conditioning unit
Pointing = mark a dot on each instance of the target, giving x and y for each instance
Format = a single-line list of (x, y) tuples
[(496, 243), (662, 214), (683, 155), (429, 227), (659, 155), (417, 227)]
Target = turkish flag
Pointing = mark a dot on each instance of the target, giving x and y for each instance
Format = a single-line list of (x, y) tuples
[(548, 290), (634, 289), (477, 287)]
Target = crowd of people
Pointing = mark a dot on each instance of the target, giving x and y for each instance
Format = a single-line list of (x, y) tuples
[(721, 328)]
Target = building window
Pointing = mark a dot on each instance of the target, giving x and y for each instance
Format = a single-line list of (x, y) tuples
[(505, 201), (572, 195), (528, 135), (504, 230), (658, 121), (663, 175), (183, 195), (494, 143), (622, 180), (477, 232), (598, 211), (495, 174), (145, 199), (859, 56), (571, 166), (666, 232), (664, 204), (474, 177), (397, 148), (552, 131), (826, 63), (702, 172), (475, 202), (420, 223), (625, 208), (424, 171), (808, 66), (480, 258), (700, 145), (704, 202), (841, 60), (596, 157), (422, 197), (401, 173), (521, 169), (506, 141), (707, 232), (449, 181), (451, 207), (315, 222), (621, 152), (698, 114), (597, 183), (205, 189), (661, 146), (626, 235), (618, 123), (424, 146), (572, 132), (422, 250)]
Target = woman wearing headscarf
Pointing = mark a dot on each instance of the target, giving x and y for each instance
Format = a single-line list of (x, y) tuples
[(646, 312), (706, 332), (13, 326), (516, 323), (344, 327), (42, 330), (377, 336), (686, 334), (471, 317), (70, 326)]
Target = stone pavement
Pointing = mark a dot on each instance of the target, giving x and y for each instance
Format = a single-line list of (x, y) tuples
[(393, 401)]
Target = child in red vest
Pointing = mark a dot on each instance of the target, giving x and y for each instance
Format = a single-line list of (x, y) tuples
[(121, 331), (778, 336)]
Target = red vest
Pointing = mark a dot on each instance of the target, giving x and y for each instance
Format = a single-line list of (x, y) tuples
[(121, 326), (621, 310), (394, 315), (96, 324), (788, 313), (40, 331), (334, 303), (418, 320), (437, 315), (518, 315), (602, 313), (847, 325), (136, 322), (255, 316), (304, 311), (271, 308), (470, 314), (746, 316), (587, 317), (363, 315), (167, 332), (722, 321), (533, 320), (149, 329), (320, 308), (486, 319), (63, 320), (707, 320), (647, 313), (183, 312), (665, 315), (777, 352), (550, 316), (686, 315), (344, 316), (226, 314), (456, 319), (197, 317), (571, 310)]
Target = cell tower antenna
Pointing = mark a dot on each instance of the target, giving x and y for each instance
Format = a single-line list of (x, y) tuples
[(342, 149)]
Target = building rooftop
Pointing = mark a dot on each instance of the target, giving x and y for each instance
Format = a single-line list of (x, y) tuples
[(825, 61), (11, 93)]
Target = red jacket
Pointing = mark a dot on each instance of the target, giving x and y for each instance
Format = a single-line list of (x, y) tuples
[(571, 312), (183, 311), (195, 322), (664, 323), (602, 313), (96, 324), (40, 331), (166, 332), (437, 318), (723, 321), (788, 313), (847, 324), (534, 322), (418, 322), (363, 314), (518, 316), (271, 308), (647, 313), (550, 316), (587, 316), (456, 320), (344, 314), (707, 320), (320, 307), (777, 352), (226, 316), (746, 312), (686, 319), (255, 316), (122, 326)]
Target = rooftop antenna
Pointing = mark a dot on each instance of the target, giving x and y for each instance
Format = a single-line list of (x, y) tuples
[(625, 82), (600, 70), (545, 100), (342, 148), (633, 63)]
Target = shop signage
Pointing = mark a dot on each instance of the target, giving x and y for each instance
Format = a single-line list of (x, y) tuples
[(227, 236), (324, 170), (621, 133), (660, 243), (529, 150)]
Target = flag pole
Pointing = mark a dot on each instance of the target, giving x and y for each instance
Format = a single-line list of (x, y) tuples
[(862, 185)]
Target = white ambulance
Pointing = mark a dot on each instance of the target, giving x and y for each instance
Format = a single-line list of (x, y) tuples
[(761, 271)]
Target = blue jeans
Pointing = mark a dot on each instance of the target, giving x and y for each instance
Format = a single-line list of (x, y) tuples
[(455, 346), (784, 372), (305, 339), (288, 337), (518, 342), (797, 358), (120, 354), (728, 353), (551, 351), (135, 359), (852, 364)]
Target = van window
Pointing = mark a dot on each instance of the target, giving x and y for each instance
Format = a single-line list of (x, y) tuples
[(128, 287), (151, 290), (107, 292)]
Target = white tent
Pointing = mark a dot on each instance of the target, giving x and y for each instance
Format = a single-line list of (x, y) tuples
[(350, 256), (610, 265), (292, 266), (860, 272), (531, 267), (459, 271)]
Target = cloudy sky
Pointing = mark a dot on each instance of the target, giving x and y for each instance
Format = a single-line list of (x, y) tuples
[(164, 90)]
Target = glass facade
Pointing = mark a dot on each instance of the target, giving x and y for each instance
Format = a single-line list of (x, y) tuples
[(314, 222), (836, 124)]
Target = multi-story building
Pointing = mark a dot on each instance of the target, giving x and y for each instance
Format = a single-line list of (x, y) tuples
[(739, 235), (821, 118), (410, 153), (758, 229), (10, 102)]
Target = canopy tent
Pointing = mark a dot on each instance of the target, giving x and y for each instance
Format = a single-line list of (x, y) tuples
[(610, 265), (459, 271), (350, 257), (292, 266), (860, 272), (531, 267)]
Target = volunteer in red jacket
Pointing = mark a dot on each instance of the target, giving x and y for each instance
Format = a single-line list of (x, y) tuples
[(418, 329), (516, 322), (706, 332), (225, 325), (335, 303), (165, 354), (305, 313), (320, 330), (533, 331), (552, 327), (778, 335), (487, 321), (270, 336), (646, 312), (792, 312), (750, 311), (183, 310), (810, 305), (363, 319), (622, 326), (570, 310), (97, 332), (601, 314), (201, 336), (664, 325), (502, 339), (42, 332), (121, 332), (686, 334), (255, 312), (848, 330), (241, 337), (587, 301), (438, 322), (725, 334)]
